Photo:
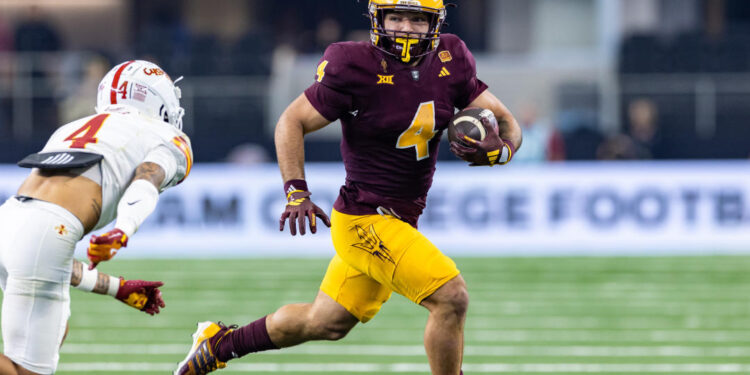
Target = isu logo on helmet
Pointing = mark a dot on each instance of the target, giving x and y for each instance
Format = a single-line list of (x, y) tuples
[(150, 71), (143, 86), (413, 44)]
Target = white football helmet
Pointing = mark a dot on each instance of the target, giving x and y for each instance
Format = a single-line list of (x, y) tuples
[(143, 86)]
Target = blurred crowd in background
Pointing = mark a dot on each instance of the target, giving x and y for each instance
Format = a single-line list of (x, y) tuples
[(679, 70)]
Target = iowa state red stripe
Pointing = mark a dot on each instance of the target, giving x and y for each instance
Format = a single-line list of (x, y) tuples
[(182, 144), (116, 81)]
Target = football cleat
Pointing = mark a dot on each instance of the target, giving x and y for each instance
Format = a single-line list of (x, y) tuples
[(202, 356)]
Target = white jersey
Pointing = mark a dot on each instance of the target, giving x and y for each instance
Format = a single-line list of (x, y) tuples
[(125, 139)]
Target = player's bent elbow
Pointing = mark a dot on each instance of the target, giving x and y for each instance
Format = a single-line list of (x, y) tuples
[(151, 172), (288, 126)]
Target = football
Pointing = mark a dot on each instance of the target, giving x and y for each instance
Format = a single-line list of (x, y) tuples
[(469, 122)]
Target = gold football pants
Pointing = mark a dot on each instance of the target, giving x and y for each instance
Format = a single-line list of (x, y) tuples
[(376, 255)]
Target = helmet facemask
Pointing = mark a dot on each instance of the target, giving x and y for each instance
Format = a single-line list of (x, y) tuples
[(173, 113), (407, 46)]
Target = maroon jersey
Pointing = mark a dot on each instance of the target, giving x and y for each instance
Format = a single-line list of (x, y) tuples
[(392, 117)]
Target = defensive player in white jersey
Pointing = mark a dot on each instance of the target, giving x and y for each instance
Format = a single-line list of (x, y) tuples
[(105, 167)]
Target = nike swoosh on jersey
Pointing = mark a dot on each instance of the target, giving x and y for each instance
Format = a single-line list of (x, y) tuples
[(132, 203)]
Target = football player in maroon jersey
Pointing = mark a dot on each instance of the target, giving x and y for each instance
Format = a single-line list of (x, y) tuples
[(394, 96)]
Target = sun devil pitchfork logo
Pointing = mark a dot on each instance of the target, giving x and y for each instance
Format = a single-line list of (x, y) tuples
[(372, 244)]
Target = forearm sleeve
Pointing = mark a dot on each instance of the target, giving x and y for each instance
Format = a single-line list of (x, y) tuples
[(136, 204)]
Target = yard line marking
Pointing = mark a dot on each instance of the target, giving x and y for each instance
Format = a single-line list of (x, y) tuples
[(418, 350), (421, 367), (734, 337)]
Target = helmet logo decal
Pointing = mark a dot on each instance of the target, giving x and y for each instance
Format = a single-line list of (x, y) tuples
[(151, 71), (140, 92), (387, 80), (116, 81), (123, 90)]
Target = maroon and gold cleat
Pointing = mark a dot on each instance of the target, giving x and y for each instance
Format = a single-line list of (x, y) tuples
[(202, 356)]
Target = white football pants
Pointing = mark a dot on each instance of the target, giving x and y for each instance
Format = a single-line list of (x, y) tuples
[(37, 240)]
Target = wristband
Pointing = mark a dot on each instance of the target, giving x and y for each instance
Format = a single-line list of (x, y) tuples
[(507, 152), (294, 186), (114, 286), (88, 279)]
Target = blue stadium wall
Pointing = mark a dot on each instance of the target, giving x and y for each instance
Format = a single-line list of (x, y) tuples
[(614, 208)]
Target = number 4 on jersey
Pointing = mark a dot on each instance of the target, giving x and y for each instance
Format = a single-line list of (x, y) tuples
[(89, 130), (421, 130)]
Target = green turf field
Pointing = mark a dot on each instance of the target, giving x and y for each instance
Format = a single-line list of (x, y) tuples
[(682, 315)]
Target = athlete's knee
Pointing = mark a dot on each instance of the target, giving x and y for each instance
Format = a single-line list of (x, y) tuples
[(8, 367), (334, 332), (333, 325), (451, 298), (458, 302), (23, 371), (331, 329), (329, 320)]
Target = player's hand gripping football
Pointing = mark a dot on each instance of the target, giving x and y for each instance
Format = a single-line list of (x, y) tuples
[(141, 295), (484, 152), (298, 208), (104, 247)]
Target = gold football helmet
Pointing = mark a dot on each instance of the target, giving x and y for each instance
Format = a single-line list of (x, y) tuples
[(413, 44)]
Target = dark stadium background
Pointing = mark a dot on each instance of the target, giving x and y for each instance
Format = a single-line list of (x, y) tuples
[(684, 57)]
